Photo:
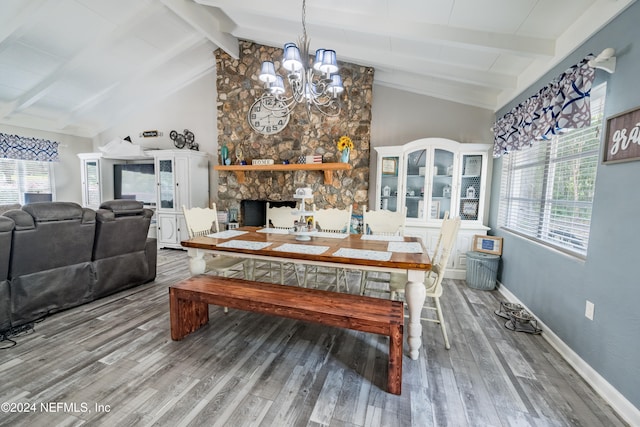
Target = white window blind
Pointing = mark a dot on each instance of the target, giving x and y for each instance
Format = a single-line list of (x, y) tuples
[(18, 177), (547, 190)]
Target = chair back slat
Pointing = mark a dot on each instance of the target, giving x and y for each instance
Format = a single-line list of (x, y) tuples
[(201, 221)]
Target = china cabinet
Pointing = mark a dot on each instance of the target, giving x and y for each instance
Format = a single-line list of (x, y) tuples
[(182, 179), (433, 176), (97, 179)]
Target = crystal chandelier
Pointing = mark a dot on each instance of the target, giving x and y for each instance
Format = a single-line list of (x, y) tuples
[(316, 83)]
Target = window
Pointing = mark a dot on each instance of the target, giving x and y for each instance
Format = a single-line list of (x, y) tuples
[(18, 177), (547, 190)]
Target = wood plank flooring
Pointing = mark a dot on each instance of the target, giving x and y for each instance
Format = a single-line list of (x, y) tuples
[(113, 363)]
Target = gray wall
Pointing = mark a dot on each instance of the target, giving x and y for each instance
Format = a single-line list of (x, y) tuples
[(555, 286)]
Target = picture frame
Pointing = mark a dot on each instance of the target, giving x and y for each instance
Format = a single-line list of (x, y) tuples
[(469, 208), (622, 137), (390, 166), (435, 210), (487, 244), (472, 165)]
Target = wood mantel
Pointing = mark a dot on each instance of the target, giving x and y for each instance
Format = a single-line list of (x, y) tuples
[(327, 168)]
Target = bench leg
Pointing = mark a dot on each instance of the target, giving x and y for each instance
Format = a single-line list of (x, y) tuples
[(186, 316), (394, 375)]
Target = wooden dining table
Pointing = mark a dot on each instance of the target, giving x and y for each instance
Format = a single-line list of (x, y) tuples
[(351, 251)]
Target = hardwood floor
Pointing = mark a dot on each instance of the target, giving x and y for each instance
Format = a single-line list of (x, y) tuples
[(112, 362)]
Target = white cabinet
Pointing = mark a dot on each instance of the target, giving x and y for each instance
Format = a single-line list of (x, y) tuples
[(97, 179), (431, 176), (182, 179)]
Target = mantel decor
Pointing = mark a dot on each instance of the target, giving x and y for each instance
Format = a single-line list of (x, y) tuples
[(622, 139)]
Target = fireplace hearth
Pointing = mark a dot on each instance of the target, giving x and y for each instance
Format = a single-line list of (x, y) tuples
[(254, 212)]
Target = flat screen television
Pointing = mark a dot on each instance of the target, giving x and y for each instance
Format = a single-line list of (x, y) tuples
[(135, 181)]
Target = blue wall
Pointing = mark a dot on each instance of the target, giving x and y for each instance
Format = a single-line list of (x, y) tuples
[(555, 286)]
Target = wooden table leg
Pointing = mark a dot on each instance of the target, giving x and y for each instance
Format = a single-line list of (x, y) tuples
[(394, 375), (186, 316), (415, 294)]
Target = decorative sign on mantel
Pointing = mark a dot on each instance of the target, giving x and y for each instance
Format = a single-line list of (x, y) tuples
[(622, 140)]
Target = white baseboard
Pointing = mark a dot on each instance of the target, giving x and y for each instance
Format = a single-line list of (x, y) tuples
[(625, 409)]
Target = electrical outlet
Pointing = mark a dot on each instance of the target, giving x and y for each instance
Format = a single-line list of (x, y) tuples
[(589, 310)]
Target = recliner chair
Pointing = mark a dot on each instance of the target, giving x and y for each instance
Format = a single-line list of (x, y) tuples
[(6, 232)]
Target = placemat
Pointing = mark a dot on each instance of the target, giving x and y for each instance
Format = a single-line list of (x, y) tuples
[(406, 247), (275, 230), (363, 254), (302, 249), (226, 234), (382, 238), (244, 244)]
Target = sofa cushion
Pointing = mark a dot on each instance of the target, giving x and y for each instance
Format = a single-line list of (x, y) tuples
[(10, 207), (123, 207), (54, 211)]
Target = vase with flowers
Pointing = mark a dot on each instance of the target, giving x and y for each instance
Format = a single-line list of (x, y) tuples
[(345, 145)]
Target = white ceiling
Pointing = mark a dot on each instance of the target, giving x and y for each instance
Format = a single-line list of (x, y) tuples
[(80, 66)]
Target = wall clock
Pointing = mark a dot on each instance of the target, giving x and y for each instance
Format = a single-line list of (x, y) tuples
[(268, 115)]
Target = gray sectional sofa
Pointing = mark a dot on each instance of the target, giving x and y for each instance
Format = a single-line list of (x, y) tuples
[(57, 255)]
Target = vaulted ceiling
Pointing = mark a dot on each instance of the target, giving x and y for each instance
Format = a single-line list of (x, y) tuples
[(80, 66)]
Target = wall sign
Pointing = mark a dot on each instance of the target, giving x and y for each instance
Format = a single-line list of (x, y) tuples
[(622, 140)]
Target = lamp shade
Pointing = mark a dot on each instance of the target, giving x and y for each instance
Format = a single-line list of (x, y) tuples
[(329, 62), (291, 60), (335, 87), (267, 72), (318, 59), (277, 87)]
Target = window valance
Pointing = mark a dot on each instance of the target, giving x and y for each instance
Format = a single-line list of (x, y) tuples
[(23, 148), (562, 104)]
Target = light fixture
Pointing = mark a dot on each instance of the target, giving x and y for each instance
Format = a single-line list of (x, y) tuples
[(605, 60), (314, 83)]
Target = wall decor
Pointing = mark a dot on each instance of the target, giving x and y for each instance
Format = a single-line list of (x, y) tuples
[(184, 140), (622, 138), (487, 244), (472, 165), (469, 208), (150, 134)]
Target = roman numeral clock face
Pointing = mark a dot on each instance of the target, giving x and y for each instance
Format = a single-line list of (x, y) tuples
[(268, 115)]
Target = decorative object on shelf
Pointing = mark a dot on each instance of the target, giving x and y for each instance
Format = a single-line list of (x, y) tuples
[(450, 170), (224, 153), (150, 134), (316, 158), (262, 161), (390, 166), (345, 145), (386, 191), (315, 84), (469, 208), (472, 165), (186, 139), (435, 209), (471, 192), (487, 244), (446, 191), (239, 158), (268, 115)]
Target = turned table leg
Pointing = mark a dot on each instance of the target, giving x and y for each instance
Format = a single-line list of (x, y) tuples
[(415, 294)]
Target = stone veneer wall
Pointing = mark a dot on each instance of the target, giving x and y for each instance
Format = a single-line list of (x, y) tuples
[(238, 87)]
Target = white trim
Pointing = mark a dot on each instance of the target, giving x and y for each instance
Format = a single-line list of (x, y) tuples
[(609, 393)]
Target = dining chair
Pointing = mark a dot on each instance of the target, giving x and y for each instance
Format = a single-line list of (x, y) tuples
[(283, 218), (433, 278), (204, 221), (329, 220), (383, 223)]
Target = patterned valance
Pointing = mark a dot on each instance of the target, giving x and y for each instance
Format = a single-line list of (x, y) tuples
[(562, 104), (23, 148)]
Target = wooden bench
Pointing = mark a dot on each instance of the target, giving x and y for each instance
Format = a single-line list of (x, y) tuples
[(189, 300)]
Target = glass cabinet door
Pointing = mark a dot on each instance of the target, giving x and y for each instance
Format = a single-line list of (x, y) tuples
[(443, 170), (92, 184), (470, 186), (167, 189), (389, 183), (416, 170)]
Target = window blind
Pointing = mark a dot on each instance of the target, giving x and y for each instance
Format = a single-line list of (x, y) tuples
[(547, 190), (18, 177)]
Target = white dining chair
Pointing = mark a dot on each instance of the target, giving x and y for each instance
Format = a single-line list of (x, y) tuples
[(380, 223), (204, 221), (329, 220), (283, 218)]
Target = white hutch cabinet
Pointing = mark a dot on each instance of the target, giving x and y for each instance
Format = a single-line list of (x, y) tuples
[(182, 179), (431, 176)]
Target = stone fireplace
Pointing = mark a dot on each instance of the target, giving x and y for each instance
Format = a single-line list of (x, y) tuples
[(238, 87), (254, 212)]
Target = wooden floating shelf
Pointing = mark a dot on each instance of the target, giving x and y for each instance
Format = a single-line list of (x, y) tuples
[(327, 168)]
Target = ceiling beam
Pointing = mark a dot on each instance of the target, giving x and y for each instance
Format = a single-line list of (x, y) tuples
[(207, 21)]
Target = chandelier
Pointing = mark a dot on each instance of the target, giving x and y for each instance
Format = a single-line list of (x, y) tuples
[(313, 82)]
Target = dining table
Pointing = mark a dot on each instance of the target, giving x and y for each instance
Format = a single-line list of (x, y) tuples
[(336, 250)]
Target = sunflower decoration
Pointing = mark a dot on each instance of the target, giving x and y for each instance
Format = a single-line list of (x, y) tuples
[(344, 142)]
